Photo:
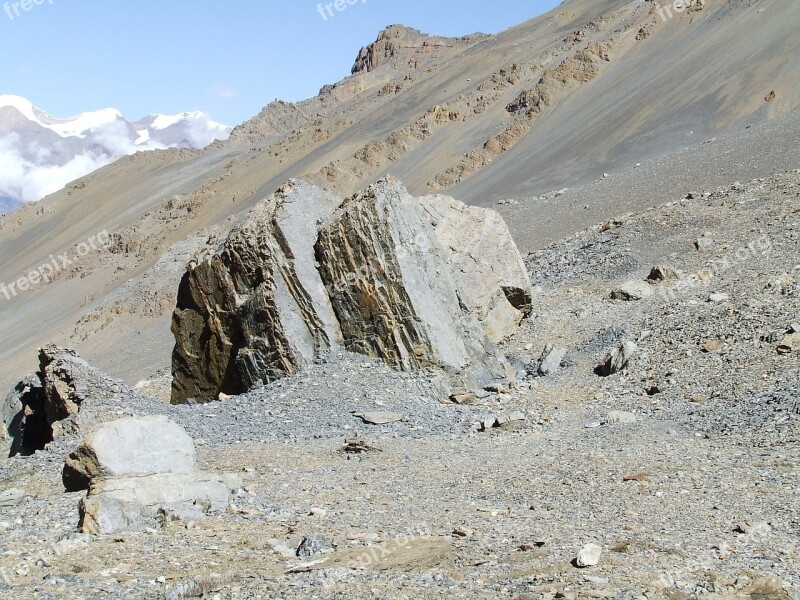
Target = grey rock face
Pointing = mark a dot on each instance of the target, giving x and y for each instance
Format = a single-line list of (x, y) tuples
[(120, 504), (418, 283), (394, 292), (65, 388), (256, 310), (486, 264), (130, 446)]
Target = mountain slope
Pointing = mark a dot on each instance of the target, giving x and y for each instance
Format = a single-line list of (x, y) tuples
[(594, 86), (39, 153)]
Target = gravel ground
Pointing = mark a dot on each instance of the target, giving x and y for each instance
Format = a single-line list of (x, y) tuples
[(699, 497)]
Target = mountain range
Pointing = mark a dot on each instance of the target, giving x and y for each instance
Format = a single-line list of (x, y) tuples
[(40, 154)]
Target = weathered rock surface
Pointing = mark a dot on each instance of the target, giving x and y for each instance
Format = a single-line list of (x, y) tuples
[(487, 266), (663, 273), (399, 46), (419, 283), (120, 504), (395, 292), (255, 310), (620, 417), (129, 446), (589, 556), (65, 398)]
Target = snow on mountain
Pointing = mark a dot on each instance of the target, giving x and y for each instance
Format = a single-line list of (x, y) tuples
[(40, 153)]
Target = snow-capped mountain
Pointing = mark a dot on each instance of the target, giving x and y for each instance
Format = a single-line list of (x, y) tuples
[(40, 154)]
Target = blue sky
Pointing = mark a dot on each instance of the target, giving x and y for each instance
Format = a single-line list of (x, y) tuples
[(226, 58)]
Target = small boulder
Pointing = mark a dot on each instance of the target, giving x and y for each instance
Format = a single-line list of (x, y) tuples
[(617, 359), (632, 290), (620, 417), (663, 273), (129, 446), (379, 418), (703, 243), (119, 504), (589, 556), (551, 359), (789, 344), (12, 497), (311, 546)]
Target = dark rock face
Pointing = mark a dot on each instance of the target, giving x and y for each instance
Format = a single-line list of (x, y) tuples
[(255, 311), (419, 283), (65, 398)]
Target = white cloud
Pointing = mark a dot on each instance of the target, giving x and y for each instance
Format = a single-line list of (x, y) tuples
[(29, 171)]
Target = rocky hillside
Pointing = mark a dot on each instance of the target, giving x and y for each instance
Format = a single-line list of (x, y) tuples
[(648, 447), (591, 88)]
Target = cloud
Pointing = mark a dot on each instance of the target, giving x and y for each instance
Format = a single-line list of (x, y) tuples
[(225, 91), (29, 170), (26, 181)]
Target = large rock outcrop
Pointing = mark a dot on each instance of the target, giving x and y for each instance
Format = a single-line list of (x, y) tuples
[(402, 47), (395, 290), (417, 282), (256, 309), (491, 276)]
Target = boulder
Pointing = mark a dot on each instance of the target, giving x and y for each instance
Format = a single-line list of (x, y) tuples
[(65, 386), (417, 282), (121, 504), (663, 273), (487, 267), (589, 556), (620, 417), (129, 446), (66, 397), (255, 309), (395, 293)]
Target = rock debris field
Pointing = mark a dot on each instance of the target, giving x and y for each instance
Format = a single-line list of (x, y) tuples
[(645, 444)]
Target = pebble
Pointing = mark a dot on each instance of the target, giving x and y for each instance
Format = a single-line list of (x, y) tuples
[(621, 417)]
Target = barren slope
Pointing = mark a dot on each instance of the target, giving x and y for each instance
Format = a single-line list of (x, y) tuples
[(592, 86)]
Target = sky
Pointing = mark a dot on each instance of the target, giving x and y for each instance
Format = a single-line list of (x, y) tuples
[(226, 58)]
